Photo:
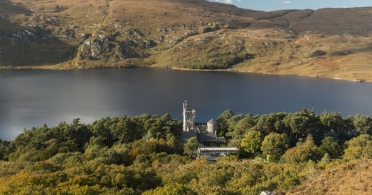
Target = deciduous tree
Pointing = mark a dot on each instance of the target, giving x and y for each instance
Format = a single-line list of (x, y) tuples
[(274, 145), (251, 142)]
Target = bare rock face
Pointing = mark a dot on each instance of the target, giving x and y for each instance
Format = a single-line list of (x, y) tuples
[(32, 35), (95, 48), (124, 52), (266, 193), (24, 36), (101, 47)]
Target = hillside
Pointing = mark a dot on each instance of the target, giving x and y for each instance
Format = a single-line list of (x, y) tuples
[(185, 34), (348, 178)]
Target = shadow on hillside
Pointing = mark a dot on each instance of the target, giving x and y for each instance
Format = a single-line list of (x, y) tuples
[(28, 44), (8, 7), (351, 51)]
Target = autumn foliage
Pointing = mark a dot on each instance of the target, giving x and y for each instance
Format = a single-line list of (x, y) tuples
[(280, 152)]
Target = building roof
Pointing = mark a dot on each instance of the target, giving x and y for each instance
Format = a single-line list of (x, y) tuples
[(211, 121), (207, 136), (218, 149), (188, 134)]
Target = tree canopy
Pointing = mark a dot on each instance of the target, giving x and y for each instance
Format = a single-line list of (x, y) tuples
[(145, 155)]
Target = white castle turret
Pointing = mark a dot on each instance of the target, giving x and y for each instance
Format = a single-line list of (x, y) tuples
[(188, 118), (212, 126)]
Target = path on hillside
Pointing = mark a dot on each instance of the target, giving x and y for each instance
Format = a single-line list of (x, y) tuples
[(96, 30), (105, 15)]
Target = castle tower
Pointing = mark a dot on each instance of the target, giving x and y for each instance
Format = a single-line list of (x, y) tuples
[(184, 115), (188, 118), (212, 126)]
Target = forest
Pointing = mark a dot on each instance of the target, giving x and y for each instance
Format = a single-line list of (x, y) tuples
[(145, 155)]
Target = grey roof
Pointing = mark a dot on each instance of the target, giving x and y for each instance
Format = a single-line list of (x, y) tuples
[(218, 149), (211, 121), (188, 134), (207, 136)]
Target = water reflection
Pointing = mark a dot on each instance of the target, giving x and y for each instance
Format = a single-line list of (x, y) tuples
[(32, 98)]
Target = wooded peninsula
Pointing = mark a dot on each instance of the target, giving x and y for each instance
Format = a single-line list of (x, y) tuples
[(284, 153)]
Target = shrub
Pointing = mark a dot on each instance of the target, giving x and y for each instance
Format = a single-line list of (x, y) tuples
[(318, 53)]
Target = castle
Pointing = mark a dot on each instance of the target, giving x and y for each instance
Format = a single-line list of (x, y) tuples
[(203, 131)]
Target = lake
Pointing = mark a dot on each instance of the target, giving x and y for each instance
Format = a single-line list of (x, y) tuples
[(33, 97)]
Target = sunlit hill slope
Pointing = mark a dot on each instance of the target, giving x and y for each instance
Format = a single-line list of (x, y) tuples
[(190, 34)]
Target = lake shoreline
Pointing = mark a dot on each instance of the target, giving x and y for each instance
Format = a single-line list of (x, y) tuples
[(237, 70), (256, 72)]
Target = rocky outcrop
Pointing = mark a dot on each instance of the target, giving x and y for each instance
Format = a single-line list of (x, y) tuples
[(95, 48)]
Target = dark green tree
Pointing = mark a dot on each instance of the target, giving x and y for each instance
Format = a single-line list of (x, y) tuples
[(242, 126), (363, 124), (223, 122), (330, 146)]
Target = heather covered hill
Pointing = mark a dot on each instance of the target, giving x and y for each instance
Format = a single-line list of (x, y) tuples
[(348, 178), (191, 34)]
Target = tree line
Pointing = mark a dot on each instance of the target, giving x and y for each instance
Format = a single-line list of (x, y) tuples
[(291, 134), (145, 154)]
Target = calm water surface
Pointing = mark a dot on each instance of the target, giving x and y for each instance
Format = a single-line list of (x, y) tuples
[(33, 97)]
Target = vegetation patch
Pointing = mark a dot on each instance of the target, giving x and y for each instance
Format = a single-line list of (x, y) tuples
[(285, 153), (318, 53), (341, 53)]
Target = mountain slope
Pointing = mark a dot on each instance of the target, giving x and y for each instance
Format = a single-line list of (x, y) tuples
[(187, 34), (348, 178)]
